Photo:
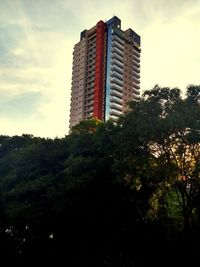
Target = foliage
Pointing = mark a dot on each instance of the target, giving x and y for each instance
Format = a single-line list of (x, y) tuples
[(86, 197)]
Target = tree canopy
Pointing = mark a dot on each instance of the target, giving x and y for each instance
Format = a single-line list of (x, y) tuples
[(108, 194)]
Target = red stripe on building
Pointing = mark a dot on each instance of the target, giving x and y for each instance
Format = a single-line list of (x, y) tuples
[(99, 71)]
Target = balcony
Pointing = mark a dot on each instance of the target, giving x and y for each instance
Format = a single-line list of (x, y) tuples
[(90, 76), (90, 85), (88, 115), (90, 61), (116, 87), (136, 86), (116, 74), (115, 80), (115, 106), (136, 81), (136, 97), (115, 61), (136, 91), (137, 76), (136, 58), (90, 67), (116, 56), (89, 101), (115, 93), (114, 117), (136, 53), (136, 70), (88, 109), (116, 100), (117, 69), (116, 50), (89, 96), (118, 45), (115, 112), (118, 40), (136, 64)]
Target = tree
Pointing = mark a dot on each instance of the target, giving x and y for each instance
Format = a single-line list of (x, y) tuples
[(166, 126)]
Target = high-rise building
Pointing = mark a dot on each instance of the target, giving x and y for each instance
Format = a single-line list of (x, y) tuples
[(106, 72)]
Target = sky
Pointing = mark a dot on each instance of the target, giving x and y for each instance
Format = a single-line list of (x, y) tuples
[(36, 46)]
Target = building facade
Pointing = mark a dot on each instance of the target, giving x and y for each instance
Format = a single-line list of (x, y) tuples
[(105, 73)]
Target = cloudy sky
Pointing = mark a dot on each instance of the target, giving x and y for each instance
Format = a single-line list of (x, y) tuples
[(36, 45)]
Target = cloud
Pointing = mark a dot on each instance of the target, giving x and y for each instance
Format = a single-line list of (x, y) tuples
[(22, 106)]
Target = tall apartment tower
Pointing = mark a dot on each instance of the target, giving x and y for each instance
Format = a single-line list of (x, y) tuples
[(106, 72)]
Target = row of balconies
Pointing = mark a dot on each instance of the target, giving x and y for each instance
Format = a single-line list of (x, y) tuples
[(89, 93), (88, 115), (116, 99), (89, 96), (89, 85), (136, 71), (136, 64), (89, 108), (90, 69), (115, 61), (91, 44), (116, 56), (116, 68), (135, 80), (136, 58), (116, 50), (116, 74), (115, 106), (115, 112), (92, 39), (117, 87), (116, 81), (136, 75), (136, 53), (90, 63), (90, 58), (136, 86), (91, 54), (114, 117), (135, 96), (91, 50), (118, 45), (118, 40), (115, 93), (90, 75)]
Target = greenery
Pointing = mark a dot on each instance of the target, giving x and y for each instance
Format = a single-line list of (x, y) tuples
[(123, 193)]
